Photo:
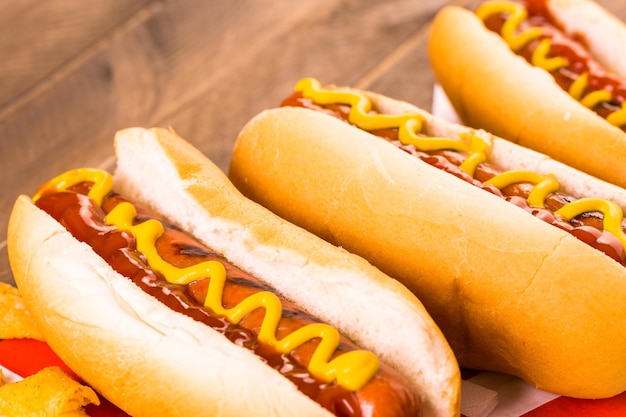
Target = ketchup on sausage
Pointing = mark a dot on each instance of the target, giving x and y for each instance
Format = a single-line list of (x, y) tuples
[(386, 395), (578, 73), (588, 226)]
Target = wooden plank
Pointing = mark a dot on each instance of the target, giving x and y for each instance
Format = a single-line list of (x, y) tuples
[(405, 74), (38, 37), (203, 67), (339, 47)]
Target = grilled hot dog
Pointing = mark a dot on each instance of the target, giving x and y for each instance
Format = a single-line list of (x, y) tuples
[(224, 320), (547, 74), (518, 258)]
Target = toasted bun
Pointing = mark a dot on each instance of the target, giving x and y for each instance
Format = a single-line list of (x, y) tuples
[(510, 292), (482, 79), (151, 361)]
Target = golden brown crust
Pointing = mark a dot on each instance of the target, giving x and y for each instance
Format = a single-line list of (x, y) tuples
[(510, 292), (90, 302), (482, 78)]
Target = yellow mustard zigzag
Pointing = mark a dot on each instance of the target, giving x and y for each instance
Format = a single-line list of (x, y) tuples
[(516, 40), (352, 370), (409, 126)]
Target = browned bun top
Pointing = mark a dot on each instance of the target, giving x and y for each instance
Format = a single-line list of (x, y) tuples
[(492, 88), (510, 292)]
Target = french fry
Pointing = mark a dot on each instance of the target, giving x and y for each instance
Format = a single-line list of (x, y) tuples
[(15, 320), (48, 393)]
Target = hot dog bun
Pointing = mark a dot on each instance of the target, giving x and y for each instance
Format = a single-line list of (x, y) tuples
[(510, 293), (151, 361), (492, 88)]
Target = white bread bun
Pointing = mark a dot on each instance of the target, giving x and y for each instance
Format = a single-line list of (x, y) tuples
[(151, 361), (510, 292), (492, 88)]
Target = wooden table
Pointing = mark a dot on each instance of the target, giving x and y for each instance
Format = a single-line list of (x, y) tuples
[(74, 72)]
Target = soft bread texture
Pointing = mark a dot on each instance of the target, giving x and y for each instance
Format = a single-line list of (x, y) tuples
[(510, 292), (151, 361), (124, 344), (492, 88), (603, 33)]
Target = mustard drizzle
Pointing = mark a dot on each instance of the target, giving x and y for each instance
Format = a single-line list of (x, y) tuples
[(517, 40), (412, 123), (352, 370)]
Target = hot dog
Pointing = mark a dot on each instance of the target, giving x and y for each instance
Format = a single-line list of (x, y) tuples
[(546, 74), (163, 322), (498, 265)]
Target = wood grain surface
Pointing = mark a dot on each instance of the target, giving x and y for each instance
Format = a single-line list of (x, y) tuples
[(73, 72)]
